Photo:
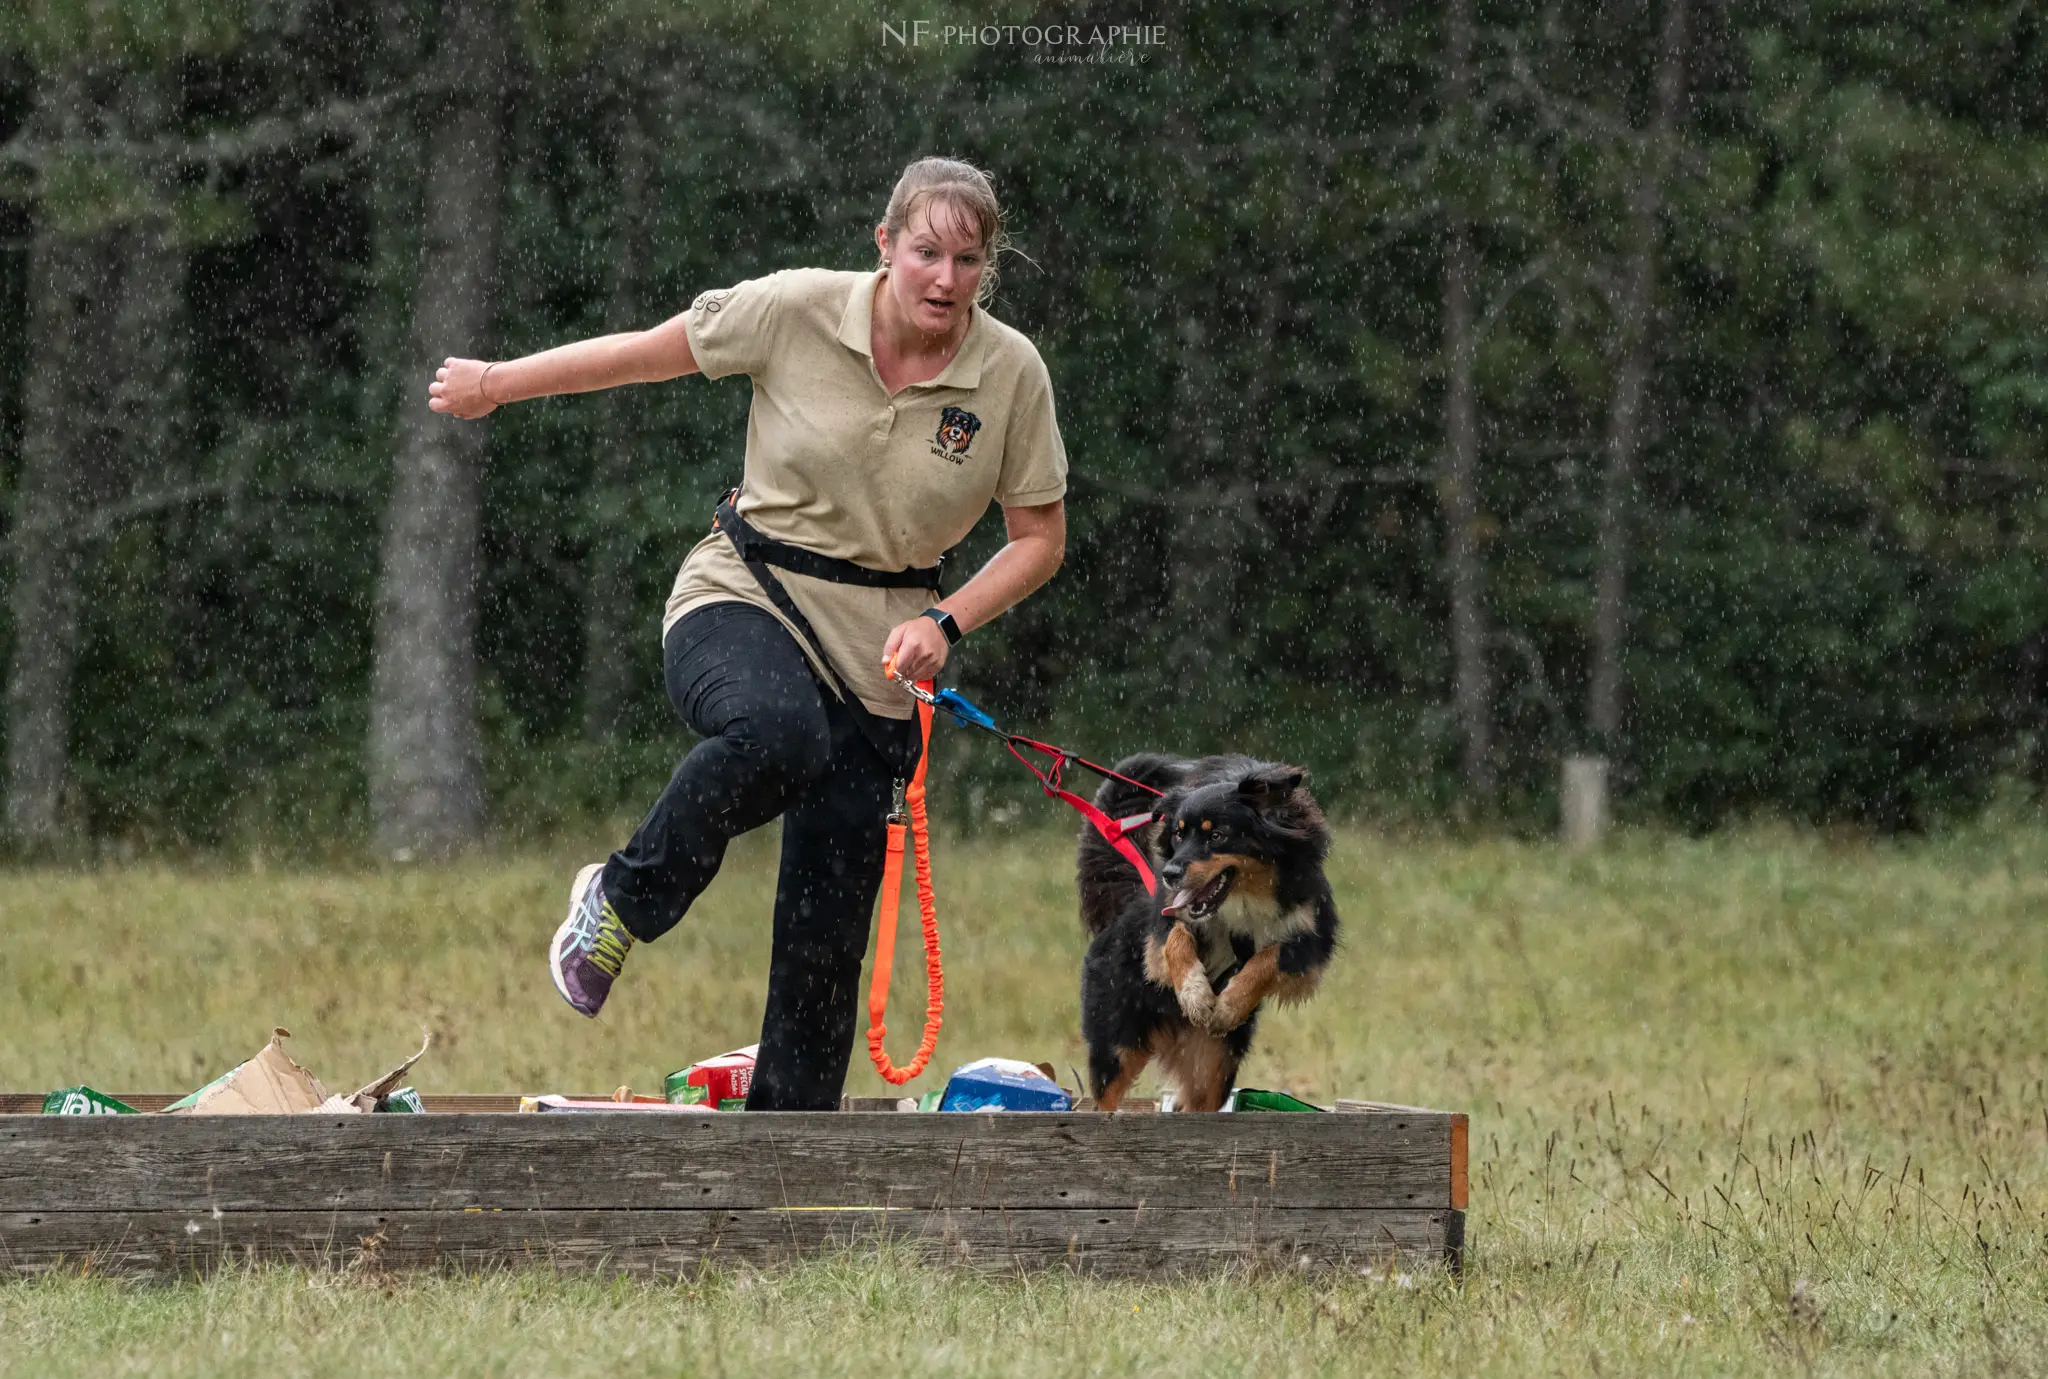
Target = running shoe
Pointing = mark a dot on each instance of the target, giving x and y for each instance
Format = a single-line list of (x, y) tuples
[(591, 946)]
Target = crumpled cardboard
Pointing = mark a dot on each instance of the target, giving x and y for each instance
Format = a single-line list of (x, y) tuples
[(272, 1084), (366, 1097)]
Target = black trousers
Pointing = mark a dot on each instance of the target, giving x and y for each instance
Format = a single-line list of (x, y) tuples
[(776, 742)]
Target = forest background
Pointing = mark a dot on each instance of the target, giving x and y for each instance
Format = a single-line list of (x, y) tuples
[(1448, 389)]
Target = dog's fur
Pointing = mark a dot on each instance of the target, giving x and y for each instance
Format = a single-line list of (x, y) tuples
[(1242, 912)]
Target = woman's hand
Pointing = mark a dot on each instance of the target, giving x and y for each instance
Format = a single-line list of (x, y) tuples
[(458, 389), (916, 648)]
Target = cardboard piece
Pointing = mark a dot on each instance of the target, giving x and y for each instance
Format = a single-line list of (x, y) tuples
[(84, 1101), (365, 1098), (272, 1084)]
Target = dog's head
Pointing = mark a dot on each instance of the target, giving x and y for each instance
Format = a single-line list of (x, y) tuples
[(1240, 835)]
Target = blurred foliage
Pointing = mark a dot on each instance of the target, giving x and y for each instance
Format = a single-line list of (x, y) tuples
[(1841, 587)]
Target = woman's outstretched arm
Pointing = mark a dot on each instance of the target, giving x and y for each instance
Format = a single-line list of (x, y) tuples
[(634, 356)]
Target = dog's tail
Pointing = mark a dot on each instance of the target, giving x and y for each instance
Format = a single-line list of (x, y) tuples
[(1107, 880)]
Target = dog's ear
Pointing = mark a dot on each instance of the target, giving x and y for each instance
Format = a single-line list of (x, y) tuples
[(1268, 784)]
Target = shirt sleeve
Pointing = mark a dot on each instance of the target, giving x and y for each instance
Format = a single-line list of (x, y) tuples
[(732, 329), (1034, 456)]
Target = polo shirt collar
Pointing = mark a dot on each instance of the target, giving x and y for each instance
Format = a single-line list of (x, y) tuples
[(856, 325)]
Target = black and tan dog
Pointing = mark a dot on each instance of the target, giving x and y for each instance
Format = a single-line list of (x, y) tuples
[(1242, 913)]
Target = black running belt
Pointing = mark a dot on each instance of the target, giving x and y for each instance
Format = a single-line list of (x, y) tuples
[(757, 561), (753, 546)]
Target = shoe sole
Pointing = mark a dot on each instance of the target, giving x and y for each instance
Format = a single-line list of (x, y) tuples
[(562, 935)]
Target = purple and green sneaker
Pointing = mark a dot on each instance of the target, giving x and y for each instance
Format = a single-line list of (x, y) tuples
[(591, 945)]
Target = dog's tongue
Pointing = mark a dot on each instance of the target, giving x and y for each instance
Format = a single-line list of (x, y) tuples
[(1179, 902)]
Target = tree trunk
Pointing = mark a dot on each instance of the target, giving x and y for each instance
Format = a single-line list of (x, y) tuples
[(1631, 386), (56, 460), (1582, 801), (612, 647), (426, 757), (1473, 692), (103, 299)]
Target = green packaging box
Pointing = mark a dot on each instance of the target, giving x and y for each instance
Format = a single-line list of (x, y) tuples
[(84, 1101), (1253, 1099), (679, 1091), (405, 1100)]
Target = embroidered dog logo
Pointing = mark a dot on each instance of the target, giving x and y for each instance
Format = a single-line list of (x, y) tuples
[(956, 432)]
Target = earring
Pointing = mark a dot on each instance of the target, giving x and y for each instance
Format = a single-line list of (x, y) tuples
[(885, 263)]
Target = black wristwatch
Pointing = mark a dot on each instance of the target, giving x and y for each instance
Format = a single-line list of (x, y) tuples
[(946, 624)]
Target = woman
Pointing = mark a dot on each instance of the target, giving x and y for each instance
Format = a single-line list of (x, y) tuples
[(889, 409)]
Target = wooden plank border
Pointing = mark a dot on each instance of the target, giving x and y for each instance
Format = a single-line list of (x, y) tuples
[(1460, 1127), (736, 1162), (1129, 1242), (1124, 1194)]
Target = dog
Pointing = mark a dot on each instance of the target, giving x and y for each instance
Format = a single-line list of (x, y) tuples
[(1242, 913)]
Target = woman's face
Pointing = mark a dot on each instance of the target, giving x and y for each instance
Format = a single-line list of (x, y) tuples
[(935, 267)]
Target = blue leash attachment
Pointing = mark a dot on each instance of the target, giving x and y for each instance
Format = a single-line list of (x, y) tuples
[(963, 709)]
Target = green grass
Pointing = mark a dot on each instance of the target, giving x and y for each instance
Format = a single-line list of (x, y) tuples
[(1762, 1103)]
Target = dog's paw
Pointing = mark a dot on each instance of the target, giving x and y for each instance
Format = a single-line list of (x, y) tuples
[(1222, 1018), (1185, 974), (1197, 998)]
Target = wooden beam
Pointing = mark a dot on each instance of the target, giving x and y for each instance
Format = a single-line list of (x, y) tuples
[(1134, 1241), (758, 1160)]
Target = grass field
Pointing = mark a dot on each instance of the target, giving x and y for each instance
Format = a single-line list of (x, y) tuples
[(1762, 1103)]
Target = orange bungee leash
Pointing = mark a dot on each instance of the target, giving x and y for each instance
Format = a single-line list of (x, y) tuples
[(885, 929), (1115, 832)]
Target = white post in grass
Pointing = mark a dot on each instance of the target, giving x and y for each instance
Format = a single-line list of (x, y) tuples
[(1583, 803)]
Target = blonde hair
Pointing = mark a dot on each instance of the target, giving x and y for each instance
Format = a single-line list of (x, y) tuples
[(962, 188)]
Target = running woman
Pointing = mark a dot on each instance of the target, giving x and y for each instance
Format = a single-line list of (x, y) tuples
[(889, 410)]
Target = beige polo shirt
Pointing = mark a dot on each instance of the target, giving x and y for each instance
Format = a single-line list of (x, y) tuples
[(838, 466)]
